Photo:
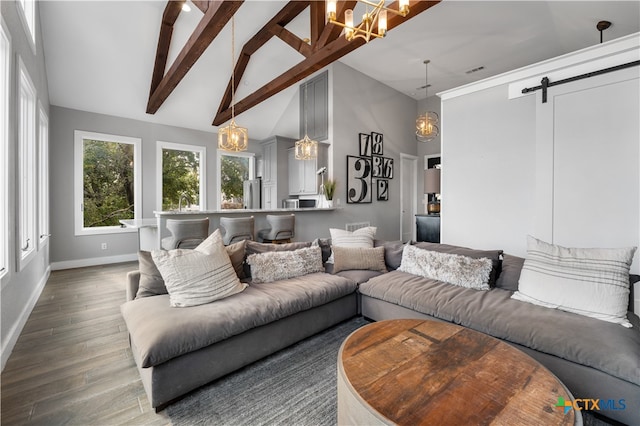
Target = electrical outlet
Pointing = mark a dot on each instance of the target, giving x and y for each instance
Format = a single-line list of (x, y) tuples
[(103, 246)]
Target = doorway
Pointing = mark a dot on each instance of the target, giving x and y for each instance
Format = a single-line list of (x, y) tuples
[(408, 196)]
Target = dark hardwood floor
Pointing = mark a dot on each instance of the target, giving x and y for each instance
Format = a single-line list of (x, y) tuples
[(72, 363)]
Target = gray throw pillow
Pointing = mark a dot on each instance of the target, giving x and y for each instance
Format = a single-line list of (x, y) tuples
[(151, 282), (510, 274)]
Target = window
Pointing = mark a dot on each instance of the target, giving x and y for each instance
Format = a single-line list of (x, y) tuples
[(43, 170), (233, 169), (26, 167), (107, 182), (181, 181), (5, 56), (28, 14)]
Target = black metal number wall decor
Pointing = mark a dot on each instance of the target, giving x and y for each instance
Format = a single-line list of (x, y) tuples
[(370, 164), (358, 179), (365, 144), (383, 189)]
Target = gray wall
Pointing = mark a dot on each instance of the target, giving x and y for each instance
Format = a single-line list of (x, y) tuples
[(68, 248), (21, 289), (361, 104)]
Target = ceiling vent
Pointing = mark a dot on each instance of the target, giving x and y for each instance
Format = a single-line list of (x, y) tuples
[(471, 71)]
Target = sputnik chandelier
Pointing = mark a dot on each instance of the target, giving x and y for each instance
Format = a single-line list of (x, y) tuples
[(427, 123), (376, 17)]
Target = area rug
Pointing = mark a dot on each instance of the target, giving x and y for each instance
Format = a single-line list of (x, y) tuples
[(296, 386)]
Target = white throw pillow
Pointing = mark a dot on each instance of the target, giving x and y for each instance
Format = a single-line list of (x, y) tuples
[(455, 269), (362, 237), (279, 265), (588, 281), (198, 276)]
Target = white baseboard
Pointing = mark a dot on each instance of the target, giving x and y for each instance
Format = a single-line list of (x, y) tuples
[(81, 263), (15, 331)]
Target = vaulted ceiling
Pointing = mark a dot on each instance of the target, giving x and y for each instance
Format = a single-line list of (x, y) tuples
[(100, 55)]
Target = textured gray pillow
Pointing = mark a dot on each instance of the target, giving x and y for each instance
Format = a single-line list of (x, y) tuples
[(494, 255), (349, 258), (253, 247), (454, 269), (279, 265), (198, 276)]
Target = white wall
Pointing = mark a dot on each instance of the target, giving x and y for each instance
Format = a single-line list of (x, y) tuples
[(565, 171), (21, 289)]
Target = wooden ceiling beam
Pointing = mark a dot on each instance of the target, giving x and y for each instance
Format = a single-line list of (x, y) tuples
[(287, 14), (203, 5), (317, 19), (217, 15), (322, 57), (169, 17), (292, 40)]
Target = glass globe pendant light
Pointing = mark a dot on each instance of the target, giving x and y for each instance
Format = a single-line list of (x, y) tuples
[(427, 124)]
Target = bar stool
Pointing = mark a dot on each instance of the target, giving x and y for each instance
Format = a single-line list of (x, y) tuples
[(236, 229), (186, 233), (282, 229)]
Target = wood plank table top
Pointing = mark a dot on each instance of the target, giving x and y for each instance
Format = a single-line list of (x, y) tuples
[(418, 372)]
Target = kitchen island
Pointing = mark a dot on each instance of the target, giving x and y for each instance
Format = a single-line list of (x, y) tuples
[(308, 220)]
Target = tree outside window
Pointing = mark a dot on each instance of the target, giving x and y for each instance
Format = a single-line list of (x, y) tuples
[(180, 179), (108, 185), (234, 170)]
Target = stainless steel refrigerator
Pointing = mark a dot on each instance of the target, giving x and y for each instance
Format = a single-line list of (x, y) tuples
[(252, 194)]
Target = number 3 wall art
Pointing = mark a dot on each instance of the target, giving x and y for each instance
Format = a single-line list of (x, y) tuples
[(368, 170)]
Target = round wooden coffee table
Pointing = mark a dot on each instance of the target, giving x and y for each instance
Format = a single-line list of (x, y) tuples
[(412, 372)]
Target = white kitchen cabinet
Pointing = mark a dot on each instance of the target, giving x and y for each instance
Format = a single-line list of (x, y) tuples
[(303, 179)]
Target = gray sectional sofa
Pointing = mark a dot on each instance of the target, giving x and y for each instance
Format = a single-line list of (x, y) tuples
[(180, 349), (593, 358)]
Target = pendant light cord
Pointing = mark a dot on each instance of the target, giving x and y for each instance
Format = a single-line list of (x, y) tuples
[(426, 79), (233, 68), (306, 85)]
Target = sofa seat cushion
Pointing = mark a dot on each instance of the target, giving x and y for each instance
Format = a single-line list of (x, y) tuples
[(602, 345), (161, 332)]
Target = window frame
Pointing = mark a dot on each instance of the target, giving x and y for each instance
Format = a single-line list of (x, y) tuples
[(27, 172), (219, 154), (43, 177), (5, 77), (78, 182), (201, 150), (27, 13)]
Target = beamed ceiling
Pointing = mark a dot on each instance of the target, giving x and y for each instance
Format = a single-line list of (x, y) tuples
[(150, 61), (324, 46)]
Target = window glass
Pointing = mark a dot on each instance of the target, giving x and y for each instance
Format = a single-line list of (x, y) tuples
[(182, 176), (26, 167), (234, 169), (5, 55), (107, 181)]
